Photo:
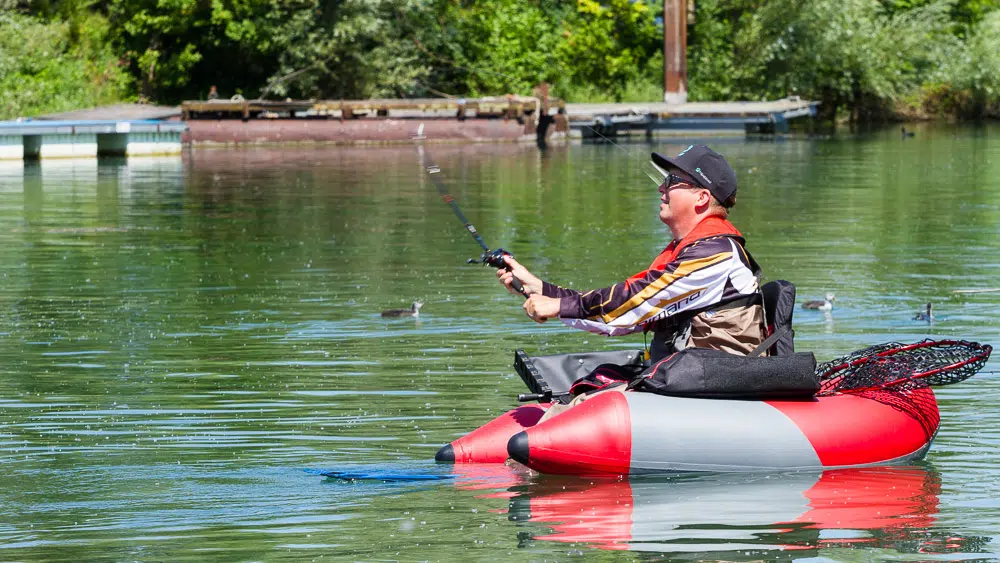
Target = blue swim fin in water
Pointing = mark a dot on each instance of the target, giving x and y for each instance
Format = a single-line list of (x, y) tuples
[(383, 475)]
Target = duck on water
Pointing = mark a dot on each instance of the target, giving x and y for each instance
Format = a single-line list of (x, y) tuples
[(825, 305), (925, 315), (413, 311)]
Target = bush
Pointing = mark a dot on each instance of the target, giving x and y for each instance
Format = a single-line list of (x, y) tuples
[(58, 66), (967, 83), (607, 49)]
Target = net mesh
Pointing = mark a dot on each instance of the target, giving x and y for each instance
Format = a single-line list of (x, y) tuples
[(898, 375), (918, 404), (903, 367)]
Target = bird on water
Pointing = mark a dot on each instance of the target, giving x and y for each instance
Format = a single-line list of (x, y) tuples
[(413, 311), (925, 315), (825, 305), (904, 133)]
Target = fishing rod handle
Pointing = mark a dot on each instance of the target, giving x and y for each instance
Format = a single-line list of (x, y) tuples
[(495, 258), (541, 397), (519, 287)]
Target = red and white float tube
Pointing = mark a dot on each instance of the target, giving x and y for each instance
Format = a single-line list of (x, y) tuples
[(633, 433)]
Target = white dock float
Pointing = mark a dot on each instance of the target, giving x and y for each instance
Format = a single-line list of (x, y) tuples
[(75, 139)]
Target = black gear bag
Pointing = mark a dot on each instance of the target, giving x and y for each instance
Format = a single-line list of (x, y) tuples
[(714, 374), (779, 304)]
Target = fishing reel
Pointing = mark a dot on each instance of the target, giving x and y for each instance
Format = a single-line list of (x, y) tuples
[(495, 258), (492, 258)]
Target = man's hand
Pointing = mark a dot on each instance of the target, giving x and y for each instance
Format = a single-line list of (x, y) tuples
[(540, 308), (532, 285)]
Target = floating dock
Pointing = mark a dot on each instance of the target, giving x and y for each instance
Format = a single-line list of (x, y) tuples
[(594, 121), (140, 129), (479, 119), (86, 138)]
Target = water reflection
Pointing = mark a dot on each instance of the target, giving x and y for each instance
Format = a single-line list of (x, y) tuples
[(183, 336), (733, 517)]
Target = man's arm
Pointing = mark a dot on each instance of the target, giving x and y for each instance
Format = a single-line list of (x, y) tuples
[(696, 279)]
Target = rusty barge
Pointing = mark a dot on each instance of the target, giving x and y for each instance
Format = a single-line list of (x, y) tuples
[(506, 118)]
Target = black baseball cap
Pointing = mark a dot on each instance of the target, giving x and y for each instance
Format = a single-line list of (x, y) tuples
[(705, 166)]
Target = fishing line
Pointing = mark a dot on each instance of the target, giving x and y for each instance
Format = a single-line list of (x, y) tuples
[(652, 171), (489, 257), (495, 258), (648, 168)]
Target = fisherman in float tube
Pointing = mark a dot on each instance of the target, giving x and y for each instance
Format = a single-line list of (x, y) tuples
[(701, 291)]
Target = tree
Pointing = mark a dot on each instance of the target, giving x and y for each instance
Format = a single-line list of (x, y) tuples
[(608, 45), (850, 53), (177, 48), (57, 66)]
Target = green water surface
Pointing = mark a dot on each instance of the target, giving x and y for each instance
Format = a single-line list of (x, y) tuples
[(186, 341)]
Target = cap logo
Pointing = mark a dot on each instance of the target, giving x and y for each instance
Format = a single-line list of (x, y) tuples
[(702, 174), (685, 150)]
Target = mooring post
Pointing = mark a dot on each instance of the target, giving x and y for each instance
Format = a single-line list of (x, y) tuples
[(675, 51)]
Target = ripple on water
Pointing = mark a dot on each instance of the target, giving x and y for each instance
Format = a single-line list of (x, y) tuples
[(183, 337)]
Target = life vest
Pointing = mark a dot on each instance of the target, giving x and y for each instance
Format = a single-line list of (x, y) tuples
[(670, 334), (708, 227)]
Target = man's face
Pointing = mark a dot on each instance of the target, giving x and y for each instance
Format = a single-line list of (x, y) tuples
[(678, 197)]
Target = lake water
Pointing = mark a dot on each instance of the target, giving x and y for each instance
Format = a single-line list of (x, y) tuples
[(187, 342)]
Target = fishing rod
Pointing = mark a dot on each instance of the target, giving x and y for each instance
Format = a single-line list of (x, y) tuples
[(489, 257), (656, 174), (513, 80)]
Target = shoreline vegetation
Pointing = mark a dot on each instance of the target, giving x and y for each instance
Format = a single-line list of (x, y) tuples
[(865, 60)]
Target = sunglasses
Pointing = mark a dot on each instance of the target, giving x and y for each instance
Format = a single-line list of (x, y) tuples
[(674, 182)]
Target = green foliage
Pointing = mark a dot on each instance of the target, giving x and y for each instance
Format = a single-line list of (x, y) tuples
[(967, 82), (606, 45), (177, 48), (354, 49), (963, 13), (647, 86), (866, 56), (854, 54), (712, 70), (506, 46), (57, 66), (845, 52)]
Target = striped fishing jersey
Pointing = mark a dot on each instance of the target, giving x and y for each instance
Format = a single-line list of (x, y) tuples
[(706, 273)]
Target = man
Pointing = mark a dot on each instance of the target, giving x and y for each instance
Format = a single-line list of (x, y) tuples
[(701, 291)]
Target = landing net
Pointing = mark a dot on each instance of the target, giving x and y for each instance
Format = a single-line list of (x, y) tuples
[(903, 366), (899, 375)]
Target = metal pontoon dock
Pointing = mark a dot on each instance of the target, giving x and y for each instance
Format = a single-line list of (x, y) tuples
[(608, 120), (589, 121), (139, 129), (88, 138)]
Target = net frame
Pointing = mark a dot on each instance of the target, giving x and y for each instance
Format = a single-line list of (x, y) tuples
[(902, 367)]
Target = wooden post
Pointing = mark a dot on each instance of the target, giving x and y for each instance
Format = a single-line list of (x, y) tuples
[(675, 51)]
